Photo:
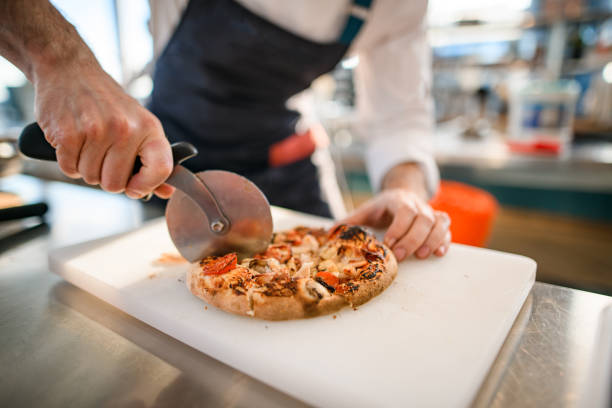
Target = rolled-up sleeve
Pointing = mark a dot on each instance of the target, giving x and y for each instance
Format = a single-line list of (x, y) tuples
[(395, 108)]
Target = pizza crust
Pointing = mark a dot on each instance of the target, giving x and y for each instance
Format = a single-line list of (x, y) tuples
[(286, 298), (371, 288), (225, 299)]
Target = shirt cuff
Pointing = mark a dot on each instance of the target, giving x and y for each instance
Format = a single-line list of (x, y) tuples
[(382, 155)]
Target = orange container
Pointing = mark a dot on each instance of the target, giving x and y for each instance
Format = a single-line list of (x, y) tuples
[(471, 210)]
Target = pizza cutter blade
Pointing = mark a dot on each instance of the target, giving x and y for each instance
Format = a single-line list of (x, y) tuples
[(215, 212), (210, 213)]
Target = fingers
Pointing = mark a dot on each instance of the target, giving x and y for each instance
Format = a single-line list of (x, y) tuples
[(99, 131), (443, 249), (413, 226), (164, 191), (156, 158), (91, 159), (117, 168), (414, 237), (67, 146), (402, 220), (68, 159), (436, 238)]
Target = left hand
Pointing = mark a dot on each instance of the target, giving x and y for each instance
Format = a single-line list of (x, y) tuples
[(413, 226)]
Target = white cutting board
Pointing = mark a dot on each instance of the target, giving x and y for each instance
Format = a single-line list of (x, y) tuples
[(427, 341)]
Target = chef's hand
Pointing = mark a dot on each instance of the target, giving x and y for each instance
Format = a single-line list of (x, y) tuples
[(98, 130), (95, 127), (413, 227)]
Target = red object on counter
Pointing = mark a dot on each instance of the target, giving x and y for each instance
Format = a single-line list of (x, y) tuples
[(536, 147), (471, 210)]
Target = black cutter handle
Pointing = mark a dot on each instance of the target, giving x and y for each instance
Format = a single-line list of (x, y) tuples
[(33, 144), (23, 211)]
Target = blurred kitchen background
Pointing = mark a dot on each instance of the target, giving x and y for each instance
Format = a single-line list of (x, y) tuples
[(523, 95)]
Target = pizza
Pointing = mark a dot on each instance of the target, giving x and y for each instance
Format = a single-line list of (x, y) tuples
[(304, 272)]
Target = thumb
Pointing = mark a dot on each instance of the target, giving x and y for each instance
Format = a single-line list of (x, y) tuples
[(156, 158)]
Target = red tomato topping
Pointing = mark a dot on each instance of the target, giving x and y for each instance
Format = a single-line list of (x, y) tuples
[(219, 265), (329, 278), (281, 252)]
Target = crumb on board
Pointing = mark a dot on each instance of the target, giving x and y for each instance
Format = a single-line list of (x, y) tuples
[(355, 309), (205, 307), (152, 275), (266, 326), (167, 258), (334, 316)]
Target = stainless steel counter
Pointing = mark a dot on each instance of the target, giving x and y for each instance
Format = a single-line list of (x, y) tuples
[(60, 346)]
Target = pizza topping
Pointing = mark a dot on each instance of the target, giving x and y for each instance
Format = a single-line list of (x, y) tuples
[(349, 233), (370, 272), (293, 265), (257, 265), (308, 244), (357, 263), (328, 266), (353, 233), (373, 256), (218, 265), (329, 278), (313, 290), (328, 252), (335, 231), (281, 288), (304, 271), (325, 284), (281, 252)]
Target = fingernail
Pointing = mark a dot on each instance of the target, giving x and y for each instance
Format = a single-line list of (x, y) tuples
[(441, 251), (390, 241), (423, 252), (400, 253), (133, 194)]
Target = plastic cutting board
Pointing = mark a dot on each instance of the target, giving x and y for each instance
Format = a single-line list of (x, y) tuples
[(427, 341)]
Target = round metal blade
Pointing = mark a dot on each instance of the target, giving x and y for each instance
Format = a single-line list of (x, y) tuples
[(240, 200)]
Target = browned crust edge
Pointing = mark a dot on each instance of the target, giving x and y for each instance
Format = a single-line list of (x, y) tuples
[(294, 307), (224, 299), (369, 289)]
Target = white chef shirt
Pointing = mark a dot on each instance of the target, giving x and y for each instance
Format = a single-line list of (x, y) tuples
[(392, 79)]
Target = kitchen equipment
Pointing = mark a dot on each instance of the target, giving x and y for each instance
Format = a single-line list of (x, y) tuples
[(23, 211), (542, 116), (211, 213), (428, 340)]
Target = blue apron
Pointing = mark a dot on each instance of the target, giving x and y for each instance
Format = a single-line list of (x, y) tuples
[(222, 83)]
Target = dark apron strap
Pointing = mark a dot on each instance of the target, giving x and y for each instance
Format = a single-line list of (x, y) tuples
[(355, 20), (287, 186)]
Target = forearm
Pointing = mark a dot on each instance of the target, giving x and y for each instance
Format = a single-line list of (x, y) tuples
[(38, 40), (408, 176)]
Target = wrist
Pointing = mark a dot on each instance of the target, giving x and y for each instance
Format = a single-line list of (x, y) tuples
[(406, 176), (64, 61)]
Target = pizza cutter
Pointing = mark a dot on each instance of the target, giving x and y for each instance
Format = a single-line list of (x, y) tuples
[(211, 212)]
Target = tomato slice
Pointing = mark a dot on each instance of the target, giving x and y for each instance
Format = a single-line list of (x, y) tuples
[(218, 265), (329, 278)]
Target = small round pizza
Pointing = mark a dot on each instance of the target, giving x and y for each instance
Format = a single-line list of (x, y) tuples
[(304, 272)]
